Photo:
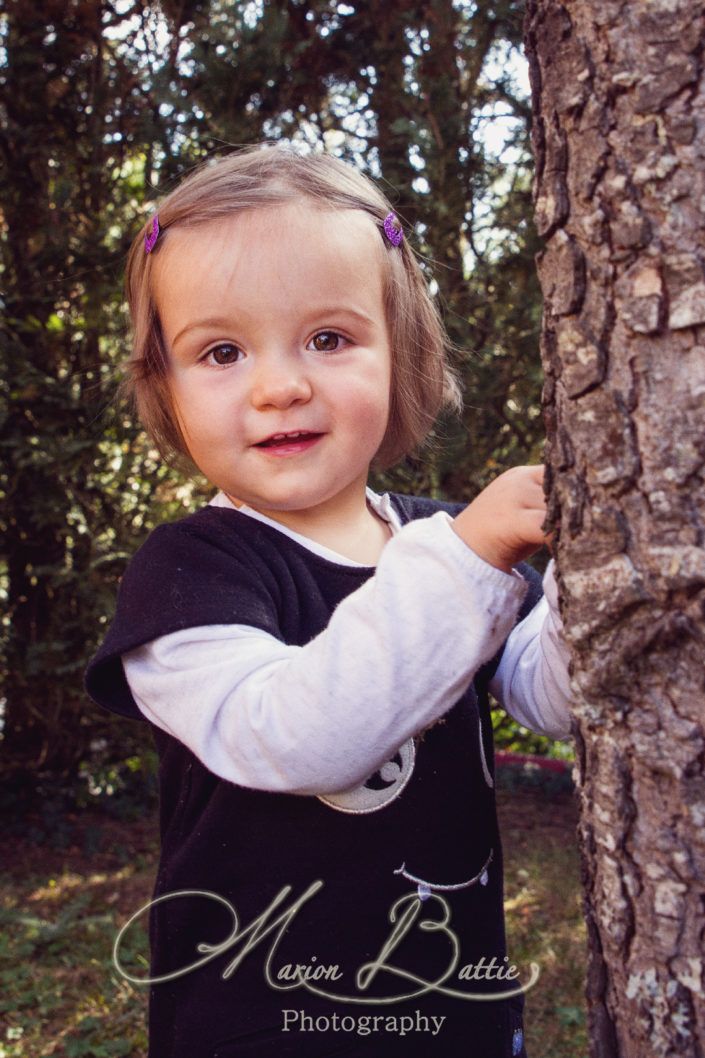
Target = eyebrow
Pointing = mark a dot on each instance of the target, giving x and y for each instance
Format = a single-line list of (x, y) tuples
[(222, 321), (333, 310), (212, 321)]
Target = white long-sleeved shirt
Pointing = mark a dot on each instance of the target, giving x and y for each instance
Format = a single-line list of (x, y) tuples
[(395, 656)]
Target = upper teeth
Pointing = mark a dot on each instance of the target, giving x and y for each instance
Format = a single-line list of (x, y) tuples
[(279, 436)]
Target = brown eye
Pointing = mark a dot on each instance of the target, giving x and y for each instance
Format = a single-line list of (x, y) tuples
[(223, 354), (326, 342)]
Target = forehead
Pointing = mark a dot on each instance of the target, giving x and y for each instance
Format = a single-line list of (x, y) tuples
[(267, 258)]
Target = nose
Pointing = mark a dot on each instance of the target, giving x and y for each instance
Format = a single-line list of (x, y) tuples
[(279, 381)]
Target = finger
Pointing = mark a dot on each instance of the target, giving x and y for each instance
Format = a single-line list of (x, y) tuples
[(534, 497), (533, 484), (533, 473), (530, 525)]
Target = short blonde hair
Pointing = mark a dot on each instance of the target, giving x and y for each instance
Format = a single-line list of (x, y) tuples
[(422, 380)]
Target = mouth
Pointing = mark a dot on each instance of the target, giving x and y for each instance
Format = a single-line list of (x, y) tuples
[(288, 444), (295, 437)]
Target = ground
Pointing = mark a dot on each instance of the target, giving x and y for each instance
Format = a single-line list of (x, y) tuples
[(64, 899)]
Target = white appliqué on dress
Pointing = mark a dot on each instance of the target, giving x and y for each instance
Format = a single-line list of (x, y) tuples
[(378, 789)]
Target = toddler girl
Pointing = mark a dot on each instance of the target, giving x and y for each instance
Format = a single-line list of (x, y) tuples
[(314, 658)]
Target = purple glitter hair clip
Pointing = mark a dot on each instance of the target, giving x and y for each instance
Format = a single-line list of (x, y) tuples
[(150, 239), (393, 229)]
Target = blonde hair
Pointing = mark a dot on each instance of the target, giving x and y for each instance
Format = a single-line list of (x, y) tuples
[(422, 380)]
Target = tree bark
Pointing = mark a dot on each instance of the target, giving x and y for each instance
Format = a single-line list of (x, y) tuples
[(619, 143)]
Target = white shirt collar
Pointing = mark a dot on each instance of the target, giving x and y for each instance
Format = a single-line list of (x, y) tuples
[(381, 504)]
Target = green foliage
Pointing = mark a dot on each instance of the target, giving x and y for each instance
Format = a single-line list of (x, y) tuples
[(518, 778), (511, 737), (50, 810), (103, 115)]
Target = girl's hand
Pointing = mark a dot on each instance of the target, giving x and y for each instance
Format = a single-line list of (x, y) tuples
[(503, 524)]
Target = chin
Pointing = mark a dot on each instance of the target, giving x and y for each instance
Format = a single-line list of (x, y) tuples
[(283, 503)]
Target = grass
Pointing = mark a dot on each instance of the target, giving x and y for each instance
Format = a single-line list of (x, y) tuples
[(544, 915), (60, 994), (64, 899)]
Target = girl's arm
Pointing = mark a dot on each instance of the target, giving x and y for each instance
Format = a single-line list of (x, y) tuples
[(531, 681), (396, 655)]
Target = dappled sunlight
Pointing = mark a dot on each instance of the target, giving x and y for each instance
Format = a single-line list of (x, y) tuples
[(61, 990), (58, 888)]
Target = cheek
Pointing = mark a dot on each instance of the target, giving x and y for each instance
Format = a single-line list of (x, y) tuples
[(199, 409), (369, 402)]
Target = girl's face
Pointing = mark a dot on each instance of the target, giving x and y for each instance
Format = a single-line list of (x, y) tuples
[(274, 322)]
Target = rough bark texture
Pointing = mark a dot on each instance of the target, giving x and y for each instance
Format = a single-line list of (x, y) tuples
[(619, 141)]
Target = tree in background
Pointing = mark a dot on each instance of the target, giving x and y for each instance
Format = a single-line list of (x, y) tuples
[(68, 108), (104, 106), (619, 140)]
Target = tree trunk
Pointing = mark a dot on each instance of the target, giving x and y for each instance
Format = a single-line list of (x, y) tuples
[(57, 199), (34, 533), (619, 142)]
